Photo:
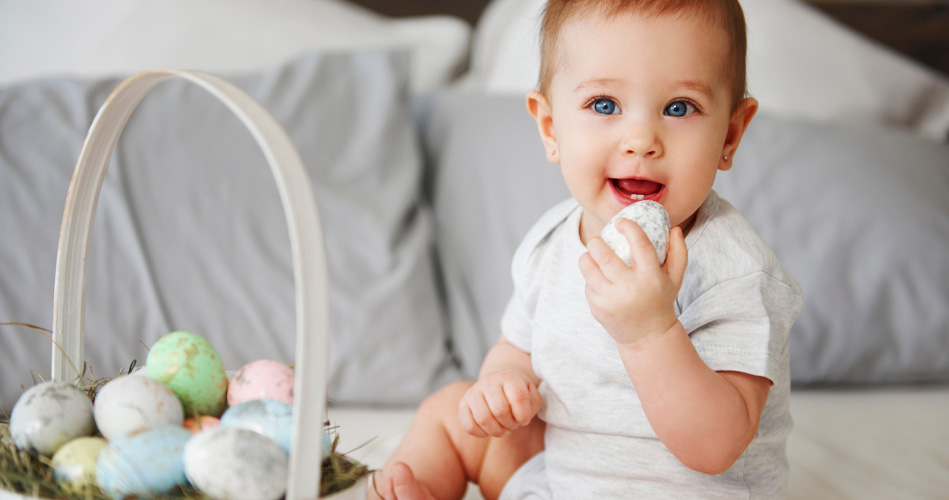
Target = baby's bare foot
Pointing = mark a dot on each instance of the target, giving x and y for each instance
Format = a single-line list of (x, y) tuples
[(404, 485)]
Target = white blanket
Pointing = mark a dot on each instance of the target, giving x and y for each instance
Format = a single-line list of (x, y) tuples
[(847, 444)]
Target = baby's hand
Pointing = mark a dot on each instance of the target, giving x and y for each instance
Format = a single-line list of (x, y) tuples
[(498, 403), (632, 302)]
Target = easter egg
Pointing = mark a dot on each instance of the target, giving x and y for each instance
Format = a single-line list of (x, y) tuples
[(130, 403), (75, 463), (196, 425), (652, 217), (261, 379), (237, 464), (49, 415), (191, 367), (273, 419), (144, 463)]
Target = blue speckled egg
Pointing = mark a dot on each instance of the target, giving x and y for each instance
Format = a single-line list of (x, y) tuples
[(144, 463), (269, 417)]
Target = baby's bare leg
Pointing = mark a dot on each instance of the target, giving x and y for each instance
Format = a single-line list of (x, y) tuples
[(444, 458)]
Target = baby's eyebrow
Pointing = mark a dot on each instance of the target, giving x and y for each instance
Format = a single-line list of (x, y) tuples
[(697, 86), (597, 82)]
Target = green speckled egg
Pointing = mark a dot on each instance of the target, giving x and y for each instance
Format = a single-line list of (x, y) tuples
[(191, 367)]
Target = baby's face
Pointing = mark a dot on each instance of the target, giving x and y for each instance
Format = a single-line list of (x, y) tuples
[(640, 109)]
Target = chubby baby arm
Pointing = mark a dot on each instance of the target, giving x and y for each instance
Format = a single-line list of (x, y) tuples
[(505, 397), (705, 418)]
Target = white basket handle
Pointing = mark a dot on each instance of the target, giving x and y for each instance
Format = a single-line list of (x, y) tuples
[(306, 242)]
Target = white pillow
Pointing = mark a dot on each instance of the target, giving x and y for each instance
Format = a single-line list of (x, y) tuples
[(96, 38), (801, 64)]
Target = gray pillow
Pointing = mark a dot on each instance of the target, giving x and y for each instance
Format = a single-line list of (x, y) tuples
[(859, 216), (489, 184), (190, 233)]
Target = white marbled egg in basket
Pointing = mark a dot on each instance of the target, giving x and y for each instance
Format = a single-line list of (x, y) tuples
[(130, 403), (49, 415), (237, 464)]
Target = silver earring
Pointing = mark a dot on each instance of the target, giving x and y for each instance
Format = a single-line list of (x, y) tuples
[(726, 157)]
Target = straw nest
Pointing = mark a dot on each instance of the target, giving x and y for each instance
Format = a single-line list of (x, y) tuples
[(29, 473)]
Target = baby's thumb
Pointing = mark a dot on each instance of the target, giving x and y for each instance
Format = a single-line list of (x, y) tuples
[(677, 258), (536, 399), (404, 484)]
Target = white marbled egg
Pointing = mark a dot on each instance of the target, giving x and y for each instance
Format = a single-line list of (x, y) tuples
[(236, 464), (652, 217), (49, 415), (131, 402)]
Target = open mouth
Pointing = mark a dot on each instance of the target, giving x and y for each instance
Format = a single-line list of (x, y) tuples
[(636, 189)]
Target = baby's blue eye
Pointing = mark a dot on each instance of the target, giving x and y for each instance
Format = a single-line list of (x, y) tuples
[(605, 106), (679, 109)]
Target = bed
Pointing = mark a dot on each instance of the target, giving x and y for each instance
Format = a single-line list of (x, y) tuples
[(414, 133)]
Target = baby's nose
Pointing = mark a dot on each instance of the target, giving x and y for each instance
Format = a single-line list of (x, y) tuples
[(642, 138)]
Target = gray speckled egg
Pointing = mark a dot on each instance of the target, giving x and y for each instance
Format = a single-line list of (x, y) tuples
[(236, 464), (652, 217), (49, 415)]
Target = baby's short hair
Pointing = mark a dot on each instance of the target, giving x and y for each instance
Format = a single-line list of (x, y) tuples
[(726, 13)]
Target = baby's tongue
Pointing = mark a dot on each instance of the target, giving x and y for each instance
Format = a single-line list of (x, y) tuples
[(637, 186)]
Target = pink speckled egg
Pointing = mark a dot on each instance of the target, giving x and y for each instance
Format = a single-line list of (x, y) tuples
[(261, 379)]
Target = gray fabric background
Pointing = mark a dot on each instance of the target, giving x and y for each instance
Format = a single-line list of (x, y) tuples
[(190, 234)]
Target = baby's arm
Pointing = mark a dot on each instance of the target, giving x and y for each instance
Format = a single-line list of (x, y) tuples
[(706, 418), (505, 396)]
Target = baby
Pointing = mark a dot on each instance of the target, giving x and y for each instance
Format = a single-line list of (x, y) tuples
[(646, 381)]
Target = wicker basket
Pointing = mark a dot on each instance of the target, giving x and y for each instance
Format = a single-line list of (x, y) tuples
[(306, 241)]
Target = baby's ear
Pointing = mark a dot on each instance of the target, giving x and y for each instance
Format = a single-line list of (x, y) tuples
[(539, 108), (737, 125)]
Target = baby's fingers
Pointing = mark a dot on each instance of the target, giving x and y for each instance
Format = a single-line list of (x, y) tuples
[(591, 272), (476, 417), (468, 422), (609, 264), (500, 406), (677, 259), (641, 249), (525, 401)]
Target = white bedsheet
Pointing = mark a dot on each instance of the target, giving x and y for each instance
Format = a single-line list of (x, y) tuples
[(859, 444)]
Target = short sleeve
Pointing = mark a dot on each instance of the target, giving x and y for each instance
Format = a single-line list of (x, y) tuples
[(518, 315), (743, 324), (516, 320)]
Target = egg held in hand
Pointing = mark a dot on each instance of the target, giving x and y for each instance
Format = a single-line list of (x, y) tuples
[(49, 415), (191, 367), (652, 217)]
